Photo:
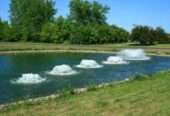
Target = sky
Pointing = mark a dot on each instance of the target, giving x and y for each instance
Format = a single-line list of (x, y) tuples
[(123, 13)]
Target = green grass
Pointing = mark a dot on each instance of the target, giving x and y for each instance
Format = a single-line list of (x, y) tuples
[(18, 47), (139, 97), (8, 46)]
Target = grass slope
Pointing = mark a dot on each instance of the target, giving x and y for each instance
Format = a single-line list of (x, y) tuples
[(140, 97)]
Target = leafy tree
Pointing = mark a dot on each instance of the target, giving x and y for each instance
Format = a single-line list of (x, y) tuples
[(98, 34), (85, 12), (86, 23), (28, 16), (57, 31), (162, 36), (83, 34), (7, 33), (119, 34), (89, 24), (148, 36), (33, 20), (1, 29), (47, 33), (144, 35)]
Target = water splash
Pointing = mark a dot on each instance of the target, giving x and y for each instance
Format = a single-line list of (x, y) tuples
[(88, 64), (115, 60), (133, 54), (29, 78), (126, 79), (62, 70)]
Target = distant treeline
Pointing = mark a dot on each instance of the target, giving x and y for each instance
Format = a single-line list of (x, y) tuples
[(34, 20)]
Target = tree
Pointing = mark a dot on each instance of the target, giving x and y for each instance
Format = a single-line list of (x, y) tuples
[(90, 26), (148, 36), (98, 34), (83, 34), (162, 36), (28, 16), (85, 12), (119, 34), (57, 31), (7, 33), (1, 29), (144, 35)]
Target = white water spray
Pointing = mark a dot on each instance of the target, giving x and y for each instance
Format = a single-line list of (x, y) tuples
[(115, 60), (88, 64), (133, 54), (29, 78), (62, 70)]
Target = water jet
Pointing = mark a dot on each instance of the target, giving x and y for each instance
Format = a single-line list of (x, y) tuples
[(133, 54), (88, 64), (115, 60), (62, 70), (29, 78)]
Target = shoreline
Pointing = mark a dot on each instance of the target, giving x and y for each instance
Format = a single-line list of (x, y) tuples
[(15, 52), (75, 91), (53, 51), (133, 93)]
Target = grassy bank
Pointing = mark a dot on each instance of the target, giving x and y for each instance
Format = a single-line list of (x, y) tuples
[(7, 47), (140, 97)]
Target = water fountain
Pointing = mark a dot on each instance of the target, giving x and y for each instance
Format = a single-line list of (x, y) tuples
[(88, 64), (62, 70), (49, 84), (29, 78), (115, 60), (133, 54)]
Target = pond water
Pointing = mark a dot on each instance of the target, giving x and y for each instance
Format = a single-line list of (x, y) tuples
[(13, 66)]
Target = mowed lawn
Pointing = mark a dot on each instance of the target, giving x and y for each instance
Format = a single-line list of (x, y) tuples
[(163, 49), (13, 46), (139, 97)]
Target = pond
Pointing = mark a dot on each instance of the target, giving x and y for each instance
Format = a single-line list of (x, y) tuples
[(13, 66)]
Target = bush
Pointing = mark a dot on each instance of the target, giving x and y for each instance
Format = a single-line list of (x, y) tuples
[(7, 33), (83, 35), (11, 35), (162, 36), (98, 34), (120, 35), (144, 35), (56, 32), (148, 36)]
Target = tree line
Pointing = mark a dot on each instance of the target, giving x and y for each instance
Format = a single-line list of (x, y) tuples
[(34, 20), (146, 35)]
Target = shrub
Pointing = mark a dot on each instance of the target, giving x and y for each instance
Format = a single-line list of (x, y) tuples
[(144, 35), (162, 36), (7, 33), (98, 34), (148, 36)]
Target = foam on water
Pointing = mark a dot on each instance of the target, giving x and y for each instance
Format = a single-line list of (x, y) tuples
[(62, 70), (133, 54), (29, 78), (88, 64), (115, 60)]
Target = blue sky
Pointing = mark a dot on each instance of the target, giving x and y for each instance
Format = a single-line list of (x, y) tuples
[(124, 13)]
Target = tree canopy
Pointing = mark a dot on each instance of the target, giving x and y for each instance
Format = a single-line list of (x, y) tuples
[(34, 20), (28, 16), (148, 36), (85, 12)]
